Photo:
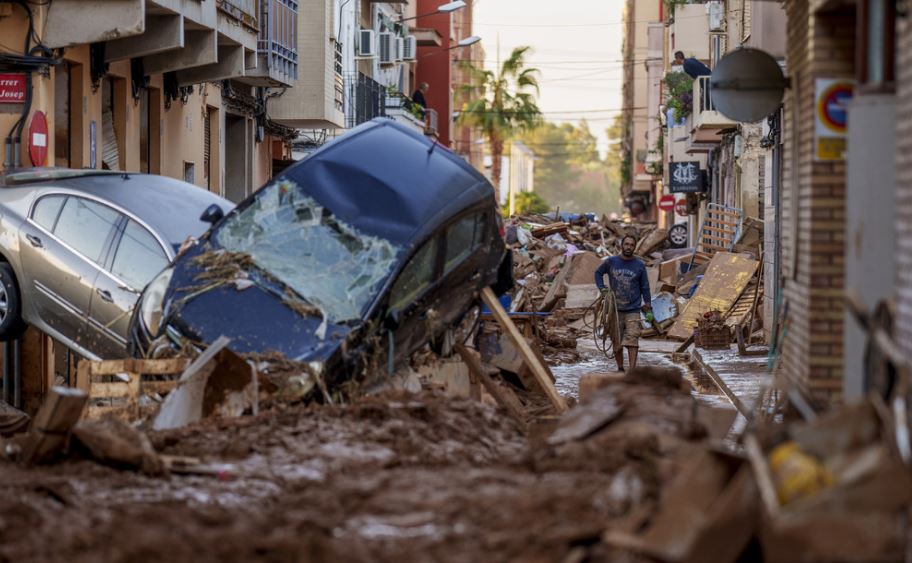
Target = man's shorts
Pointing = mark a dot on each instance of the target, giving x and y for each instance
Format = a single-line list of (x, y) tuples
[(629, 328)]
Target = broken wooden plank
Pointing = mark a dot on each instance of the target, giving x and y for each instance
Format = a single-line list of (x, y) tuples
[(51, 427), (513, 408), (539, 370), (548, 230), (723, 283)]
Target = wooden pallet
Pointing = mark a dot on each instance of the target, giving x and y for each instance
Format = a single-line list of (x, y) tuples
[(116, 386)]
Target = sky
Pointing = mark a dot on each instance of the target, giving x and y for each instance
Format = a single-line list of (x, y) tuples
[(576, 44)]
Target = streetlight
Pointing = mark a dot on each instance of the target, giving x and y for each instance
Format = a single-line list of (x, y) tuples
[(442, 9), (464, 42)]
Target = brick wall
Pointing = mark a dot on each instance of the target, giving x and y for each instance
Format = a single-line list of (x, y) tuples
[(813, 207), (904, 185)]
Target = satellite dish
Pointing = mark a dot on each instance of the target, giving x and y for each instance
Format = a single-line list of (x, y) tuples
[(747, 85)]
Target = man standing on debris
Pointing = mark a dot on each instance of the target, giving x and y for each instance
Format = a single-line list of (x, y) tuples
[(630, 285)]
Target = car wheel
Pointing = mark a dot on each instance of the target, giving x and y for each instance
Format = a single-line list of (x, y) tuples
[(677, 235), (11, 325)]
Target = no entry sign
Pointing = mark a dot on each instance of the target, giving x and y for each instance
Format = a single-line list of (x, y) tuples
[(667, 203), (38, 139)]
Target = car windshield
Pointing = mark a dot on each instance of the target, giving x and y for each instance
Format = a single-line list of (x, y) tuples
[(299, 242)]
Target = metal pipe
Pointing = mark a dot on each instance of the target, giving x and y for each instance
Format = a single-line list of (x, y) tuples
[(6, 379), (17, 374)]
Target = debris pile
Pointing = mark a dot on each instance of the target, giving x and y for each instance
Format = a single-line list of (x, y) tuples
[(555, 263)]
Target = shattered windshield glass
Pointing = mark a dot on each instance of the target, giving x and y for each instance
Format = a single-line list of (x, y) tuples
[(302, 244)]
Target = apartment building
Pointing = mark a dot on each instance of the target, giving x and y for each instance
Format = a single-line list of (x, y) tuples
[(643, 61), (176, 88)]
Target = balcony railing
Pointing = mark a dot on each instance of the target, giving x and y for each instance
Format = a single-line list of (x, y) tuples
[(365, 99), (431, 123), (243, 10), (277, 44), (706, 117)]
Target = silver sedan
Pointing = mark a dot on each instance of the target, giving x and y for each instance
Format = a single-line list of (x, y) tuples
[(78, 246)]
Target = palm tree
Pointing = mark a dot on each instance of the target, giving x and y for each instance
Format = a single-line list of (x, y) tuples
[(501, 103)]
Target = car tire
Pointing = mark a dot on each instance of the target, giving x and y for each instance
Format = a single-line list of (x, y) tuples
[(677, 236), (11, 324)]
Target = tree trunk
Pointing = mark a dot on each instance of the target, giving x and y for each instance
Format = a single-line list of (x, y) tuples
[(497, 146)]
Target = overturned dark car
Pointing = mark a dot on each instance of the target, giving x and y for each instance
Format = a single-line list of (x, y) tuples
[(359, 254)]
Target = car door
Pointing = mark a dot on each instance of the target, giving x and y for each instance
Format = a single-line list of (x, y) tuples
[(62, 246), (413, 294), (136, 258), (462, 264)]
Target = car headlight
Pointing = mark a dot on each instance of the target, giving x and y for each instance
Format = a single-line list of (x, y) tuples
[(152, 305)]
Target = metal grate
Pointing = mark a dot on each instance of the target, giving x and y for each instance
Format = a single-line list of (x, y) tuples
[(365, 99)]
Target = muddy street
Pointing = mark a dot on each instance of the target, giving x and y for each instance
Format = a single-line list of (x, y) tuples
[(396, 477)]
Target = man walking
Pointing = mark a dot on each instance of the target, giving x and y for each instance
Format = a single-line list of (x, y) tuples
[(630, 284)]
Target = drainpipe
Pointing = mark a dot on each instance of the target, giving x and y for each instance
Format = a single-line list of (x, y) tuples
[(6, 374), (17, 374)]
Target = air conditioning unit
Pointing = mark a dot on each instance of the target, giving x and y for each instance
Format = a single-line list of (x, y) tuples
[(366, 43), (411, 48), (400, 49), (386, 46), (716, 12)]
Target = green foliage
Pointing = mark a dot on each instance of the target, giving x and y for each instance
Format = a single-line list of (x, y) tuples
[(502, 103), (569, 172), (679, 89), (670, 6), (528, 202)]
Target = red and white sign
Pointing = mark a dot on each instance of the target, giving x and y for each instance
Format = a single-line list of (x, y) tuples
[(667, 203), (681, 207), (12, 88), (38, 139)]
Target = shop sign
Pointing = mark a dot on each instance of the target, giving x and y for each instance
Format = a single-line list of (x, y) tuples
[(685, 177), (12, 88), (831, 118)]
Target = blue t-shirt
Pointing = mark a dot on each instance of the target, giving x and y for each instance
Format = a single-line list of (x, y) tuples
[(628, 281)]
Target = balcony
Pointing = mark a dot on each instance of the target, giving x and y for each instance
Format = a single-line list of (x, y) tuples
[(365, 99), (402, 109), (201, 41), (314, 99), (277, 45), (707, 121)]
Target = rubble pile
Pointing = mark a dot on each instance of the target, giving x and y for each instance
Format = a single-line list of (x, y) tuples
[(554, 268), (393, 477)]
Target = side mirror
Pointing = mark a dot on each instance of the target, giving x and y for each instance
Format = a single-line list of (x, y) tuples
[(391, 321), (212, 214)]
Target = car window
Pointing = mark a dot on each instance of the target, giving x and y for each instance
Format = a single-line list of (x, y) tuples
[(417, 275), (463, 237), (46, 211), (460, 238), (139, 256), (85, 225)]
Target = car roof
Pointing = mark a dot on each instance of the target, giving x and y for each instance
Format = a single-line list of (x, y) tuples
[(170, 207), (390, 181)]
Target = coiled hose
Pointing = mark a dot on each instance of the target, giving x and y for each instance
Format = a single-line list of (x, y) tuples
[(602, 319)]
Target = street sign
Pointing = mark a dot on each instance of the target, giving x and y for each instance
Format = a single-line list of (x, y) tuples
[(831, 109), (38, 139), (667, 203), (12, 88), (681, 207), (685, 177)]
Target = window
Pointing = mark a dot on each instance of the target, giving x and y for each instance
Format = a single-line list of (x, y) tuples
[(415, 277), (85, 226), (460, 240), (139, 256), (877, 44), (46, 211)]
